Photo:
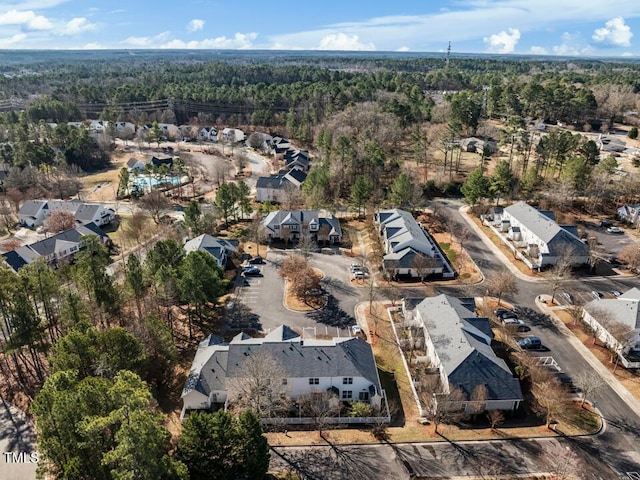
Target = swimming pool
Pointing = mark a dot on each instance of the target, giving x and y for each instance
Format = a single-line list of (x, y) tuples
[(148, 182)]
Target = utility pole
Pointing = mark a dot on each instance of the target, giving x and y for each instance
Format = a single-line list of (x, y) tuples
[(446, 64)]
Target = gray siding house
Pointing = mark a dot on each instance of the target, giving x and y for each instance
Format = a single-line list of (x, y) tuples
[(291, 225), (409, 250), (458, 345), (218, 248)]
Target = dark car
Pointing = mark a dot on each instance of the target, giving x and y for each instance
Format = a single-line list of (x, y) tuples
[(530, 343), (257, 260), (250, 271), (507, 314), (499, 311), (606, 223)]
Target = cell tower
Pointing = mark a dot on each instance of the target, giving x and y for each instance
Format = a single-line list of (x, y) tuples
[(446, 63)]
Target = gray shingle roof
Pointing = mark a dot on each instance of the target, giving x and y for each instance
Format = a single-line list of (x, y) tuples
[(31, 208), (215, 361), (624, 309), (212, 245), (462, 342), (556, 237), (298, 217)]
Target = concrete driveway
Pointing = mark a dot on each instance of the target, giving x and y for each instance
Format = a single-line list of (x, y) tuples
[(17, 443)]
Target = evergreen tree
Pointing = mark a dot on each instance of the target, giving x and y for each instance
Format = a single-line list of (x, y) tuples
[(501, 182), (193, 217), (476, 187), (135, 281), (225, 201), (401, 191), (254, 449), (361, 192)]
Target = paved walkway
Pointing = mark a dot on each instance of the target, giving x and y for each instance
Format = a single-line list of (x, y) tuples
[(589, 357)]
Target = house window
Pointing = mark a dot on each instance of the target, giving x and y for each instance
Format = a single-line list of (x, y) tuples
[(293, 228), (363, 396), (347, 380), (347, 394), (276, 227), (284, 381), (314, 381)]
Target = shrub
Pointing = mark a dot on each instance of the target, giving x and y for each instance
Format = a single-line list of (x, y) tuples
[(633, 133)]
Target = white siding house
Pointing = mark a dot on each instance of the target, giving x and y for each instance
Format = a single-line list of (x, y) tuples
[(343, 365)]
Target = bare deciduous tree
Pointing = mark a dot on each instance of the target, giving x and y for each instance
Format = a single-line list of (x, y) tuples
[(262, 388), (155, 203), (445, 406), (60, 220), (588, 383), (321, 406), (560, 273), (630, 255), (478, 401), (502, 283), (422, 264), (136, 227), (495, 417), (550, 398)]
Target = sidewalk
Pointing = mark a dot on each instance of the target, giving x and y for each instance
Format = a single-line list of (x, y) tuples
[(604, 373)]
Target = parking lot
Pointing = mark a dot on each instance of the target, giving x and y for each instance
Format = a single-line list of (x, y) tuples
[(260, 298), (611, 243)]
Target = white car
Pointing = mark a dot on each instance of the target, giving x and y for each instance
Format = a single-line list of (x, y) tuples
[(613, 230), (355, 329)]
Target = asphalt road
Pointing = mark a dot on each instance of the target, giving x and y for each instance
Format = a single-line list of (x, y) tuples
[(17, 443), (263, 295)]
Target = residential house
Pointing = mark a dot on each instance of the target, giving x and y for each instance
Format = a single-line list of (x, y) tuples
[(170, 131), (291, 225), (125, 129), (232, 135), (544, 241), (458, 348), (55, 250), (297, 158), (629, 213), (345, 366), (218, 248), (616, 322), (473, 144), (135, 164), (208, 134), (611, 144), (277, 188), (35, 212), (410, 252), (98, 126)]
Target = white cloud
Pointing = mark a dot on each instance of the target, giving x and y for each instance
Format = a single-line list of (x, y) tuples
[(26, 18), (572, 45), (403, 49), (92, 46), (470, 21), (142, 42), (12, 41), (342, 41), (78, 25), (503, 42), (238, 41), (614, 33), (536, 50), (195, 25)]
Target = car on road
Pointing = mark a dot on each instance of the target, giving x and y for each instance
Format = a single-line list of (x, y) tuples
[(606, 223), (596, 295), (499, 311), (615, 293), (507, 314), (356, 267), (359, 275), (614, 230), (517, 324), (356, 330), (257, 260), (530, 343), (251, 271)]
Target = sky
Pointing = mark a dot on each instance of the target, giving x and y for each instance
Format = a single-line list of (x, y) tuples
[(587, 28)]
